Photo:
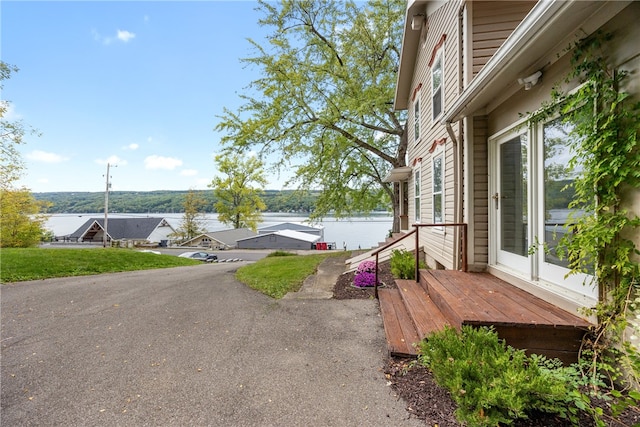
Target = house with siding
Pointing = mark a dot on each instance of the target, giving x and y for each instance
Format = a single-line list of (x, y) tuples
[(135, 230), (222, 239), (280, 239), (474, 189)]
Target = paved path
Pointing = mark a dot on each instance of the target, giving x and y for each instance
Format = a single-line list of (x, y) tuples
[(189, 346)]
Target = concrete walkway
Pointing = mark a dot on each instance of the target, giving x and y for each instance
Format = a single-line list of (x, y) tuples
[(320, 285), (189, 346)]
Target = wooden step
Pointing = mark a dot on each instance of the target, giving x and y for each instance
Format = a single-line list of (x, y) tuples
[(426, 315), (446, 297), (479, 298), (523, 320), (398, 326)]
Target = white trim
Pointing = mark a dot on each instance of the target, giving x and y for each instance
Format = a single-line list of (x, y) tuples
[(438, 155), (437, 59), (417, 192)]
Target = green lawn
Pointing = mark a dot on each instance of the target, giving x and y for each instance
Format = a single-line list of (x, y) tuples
[(274, 276), (36, 263), (278, 275)]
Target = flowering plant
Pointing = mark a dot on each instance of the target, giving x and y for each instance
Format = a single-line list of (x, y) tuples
[(365, 274)]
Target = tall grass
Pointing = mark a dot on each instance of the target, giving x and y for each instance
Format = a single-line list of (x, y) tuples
[(36, 263)]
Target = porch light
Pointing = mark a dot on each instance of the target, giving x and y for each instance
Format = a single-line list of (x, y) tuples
[(530, 81)]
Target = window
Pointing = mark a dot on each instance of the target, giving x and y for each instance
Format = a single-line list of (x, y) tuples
[(416, 180), (558, 175), (438, 189), (416, 118), (437, 92)]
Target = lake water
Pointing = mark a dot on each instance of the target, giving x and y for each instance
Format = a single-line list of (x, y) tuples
[(357, 232)]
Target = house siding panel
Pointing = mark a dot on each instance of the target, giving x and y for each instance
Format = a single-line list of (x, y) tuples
[(480, 244), (493, 23), (439, 244)]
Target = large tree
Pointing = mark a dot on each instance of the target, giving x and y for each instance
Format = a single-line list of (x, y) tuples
[(12, 132), (238, 192), (323, 104), (21, 224)]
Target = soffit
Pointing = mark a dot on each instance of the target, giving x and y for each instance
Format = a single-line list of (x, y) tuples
[(540, 39)]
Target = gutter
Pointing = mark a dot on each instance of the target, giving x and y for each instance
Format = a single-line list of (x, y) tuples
[(526, 33)]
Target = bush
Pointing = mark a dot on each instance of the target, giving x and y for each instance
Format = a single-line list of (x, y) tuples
[(496, 384), (403, 264)]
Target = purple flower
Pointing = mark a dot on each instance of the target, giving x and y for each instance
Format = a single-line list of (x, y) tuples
[(364, 279), (368, 266)]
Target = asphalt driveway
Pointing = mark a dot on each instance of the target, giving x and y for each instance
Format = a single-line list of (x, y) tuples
[(188, 346)]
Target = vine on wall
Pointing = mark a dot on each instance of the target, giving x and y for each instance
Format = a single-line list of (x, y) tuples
[(606, 123)]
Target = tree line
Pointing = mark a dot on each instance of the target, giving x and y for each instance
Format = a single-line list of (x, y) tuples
[(165, 201)]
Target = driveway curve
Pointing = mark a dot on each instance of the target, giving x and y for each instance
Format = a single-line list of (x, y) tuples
[(188, 346)]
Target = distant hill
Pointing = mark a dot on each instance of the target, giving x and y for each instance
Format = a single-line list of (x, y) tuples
[(163, 201)]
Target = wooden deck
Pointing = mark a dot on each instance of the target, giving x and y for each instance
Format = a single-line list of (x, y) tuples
[(446, 297)]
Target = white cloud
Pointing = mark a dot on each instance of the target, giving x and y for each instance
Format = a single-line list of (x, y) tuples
[(112, 160), (131, 147), (44, 157), (189, 172), (121, 35), (125, 36), (160, 162)]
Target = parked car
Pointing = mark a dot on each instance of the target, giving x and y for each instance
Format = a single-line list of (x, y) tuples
[(200, 256)]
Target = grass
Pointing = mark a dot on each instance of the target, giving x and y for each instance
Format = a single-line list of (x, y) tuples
[(278, 275), (22, 264)]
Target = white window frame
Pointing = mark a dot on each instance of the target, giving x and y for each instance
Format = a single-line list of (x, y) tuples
[(438, 63), (438, 156), (533, 267)]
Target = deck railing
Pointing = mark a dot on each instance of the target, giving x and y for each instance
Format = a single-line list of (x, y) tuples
[(382, 249), (463, 244), (416, 231)]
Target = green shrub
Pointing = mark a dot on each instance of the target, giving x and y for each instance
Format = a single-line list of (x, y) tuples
[(495, 384), (403, 264)]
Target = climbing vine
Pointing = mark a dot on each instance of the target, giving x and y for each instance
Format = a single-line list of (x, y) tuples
[(606, 126)]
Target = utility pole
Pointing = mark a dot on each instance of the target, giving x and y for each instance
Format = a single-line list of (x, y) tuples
[(106, 208)]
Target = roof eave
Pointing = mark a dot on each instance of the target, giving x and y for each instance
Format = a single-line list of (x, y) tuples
[(410, 43), (547, 23)]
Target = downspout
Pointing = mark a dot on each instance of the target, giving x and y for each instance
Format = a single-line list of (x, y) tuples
[(457, 185)]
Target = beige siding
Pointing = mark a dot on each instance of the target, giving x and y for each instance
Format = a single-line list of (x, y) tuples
[(493, 22), (480, 239), (438, 244)]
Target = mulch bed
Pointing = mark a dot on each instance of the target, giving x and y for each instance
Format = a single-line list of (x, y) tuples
[(429, 402)]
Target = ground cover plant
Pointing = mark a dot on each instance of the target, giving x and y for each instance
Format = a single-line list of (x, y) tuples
[(280, 273), (433, 403), (20, 264), (494, 384)]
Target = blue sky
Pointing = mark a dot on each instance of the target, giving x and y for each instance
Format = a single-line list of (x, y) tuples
[(136, 84)]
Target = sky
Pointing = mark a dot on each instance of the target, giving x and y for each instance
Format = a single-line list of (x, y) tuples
[(138, 85)]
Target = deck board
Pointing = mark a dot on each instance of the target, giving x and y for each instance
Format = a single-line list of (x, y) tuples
[(442, 297), (502, 303), (398, 325), (426, 316)]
